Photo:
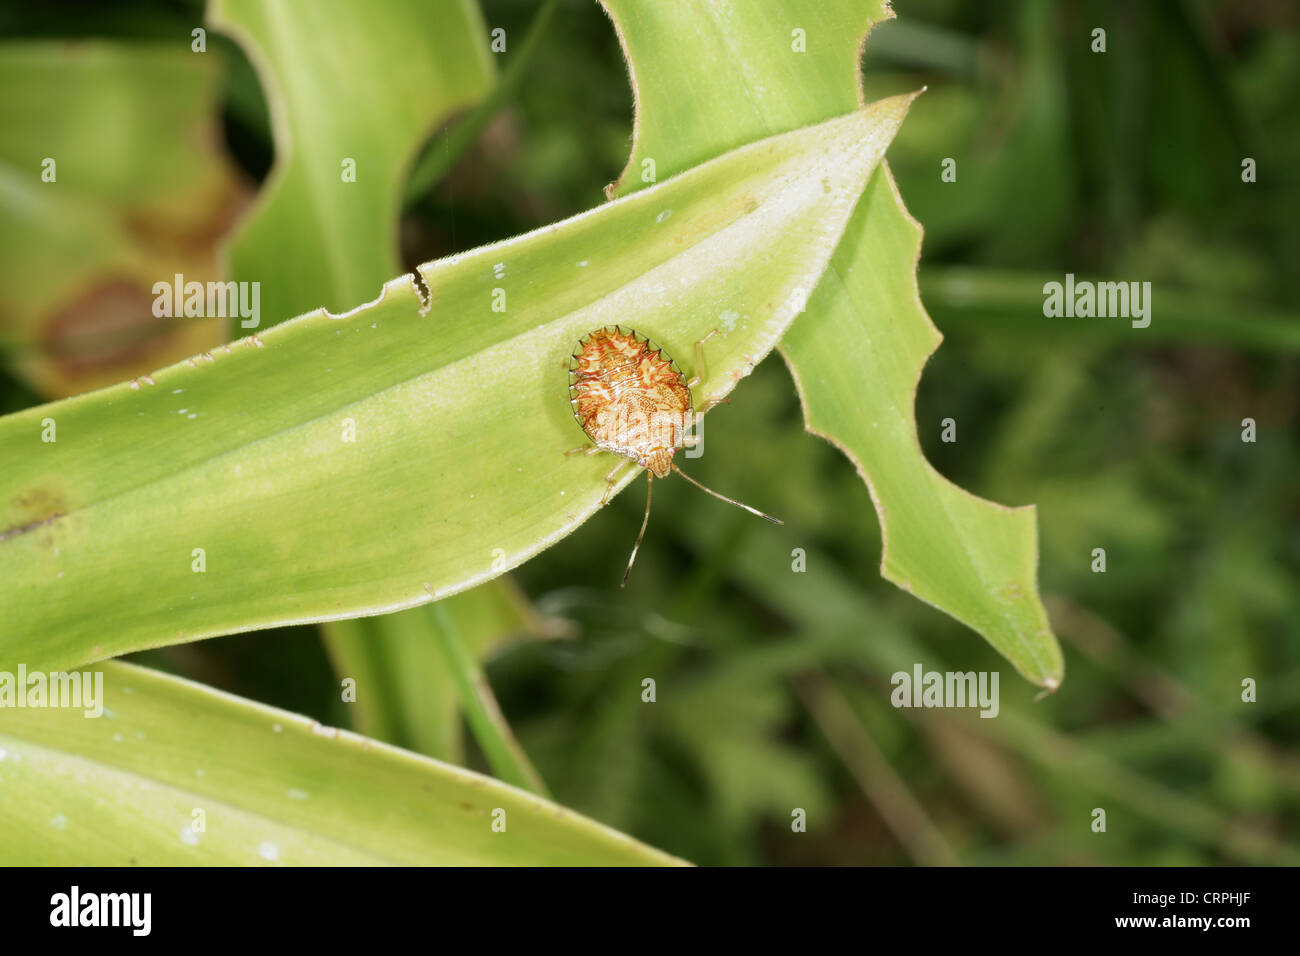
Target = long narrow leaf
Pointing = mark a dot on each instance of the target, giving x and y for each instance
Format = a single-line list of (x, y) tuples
[(174, 773), (340, 466)]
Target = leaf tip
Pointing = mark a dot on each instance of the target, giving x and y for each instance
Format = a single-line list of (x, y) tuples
[(1050, 686)]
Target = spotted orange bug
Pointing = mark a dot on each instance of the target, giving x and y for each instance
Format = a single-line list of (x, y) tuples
[(632, 399)]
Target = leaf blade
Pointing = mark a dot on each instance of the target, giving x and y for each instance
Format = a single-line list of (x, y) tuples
[(988, 580), (274, 787), (102, 531)]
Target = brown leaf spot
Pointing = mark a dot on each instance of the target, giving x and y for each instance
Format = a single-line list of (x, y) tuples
[(110, 325), (33, 510)]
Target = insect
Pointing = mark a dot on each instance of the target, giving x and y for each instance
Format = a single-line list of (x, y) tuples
[(632, 399)]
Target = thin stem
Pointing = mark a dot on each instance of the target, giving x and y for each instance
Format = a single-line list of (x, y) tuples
[(439, 157), (993, 302), (882, 786), (504, 755)]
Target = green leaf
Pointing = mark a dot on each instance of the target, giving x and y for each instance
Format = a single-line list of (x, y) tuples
[(857, 355), (273, 787), (223, 494), (756, 84), (974, 559), (354, 89)]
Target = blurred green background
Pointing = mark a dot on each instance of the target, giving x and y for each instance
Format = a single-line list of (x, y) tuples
[(773, 686)]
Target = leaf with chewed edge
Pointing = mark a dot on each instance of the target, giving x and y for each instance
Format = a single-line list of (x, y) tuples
[(224, 494), (857, 355), (353, 90)]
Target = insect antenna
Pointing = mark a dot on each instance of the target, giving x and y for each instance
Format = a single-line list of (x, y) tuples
[(730, 501), (649, 487)]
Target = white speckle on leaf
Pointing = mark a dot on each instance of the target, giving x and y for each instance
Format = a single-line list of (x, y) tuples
[(296, 794), (59, 821), (189, 837), (728, 319), (269, 851), (118, 738), (181, 411), (3, 753), (177, 391), (664, 216), (277, 728), (582, 264)]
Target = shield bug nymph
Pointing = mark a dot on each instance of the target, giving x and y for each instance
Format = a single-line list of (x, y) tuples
[(632, 399)]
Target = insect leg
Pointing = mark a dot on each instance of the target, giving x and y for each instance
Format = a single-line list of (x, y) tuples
[(611, 479), (713, 403), (649, 487), (699, 361), (587, 450)]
